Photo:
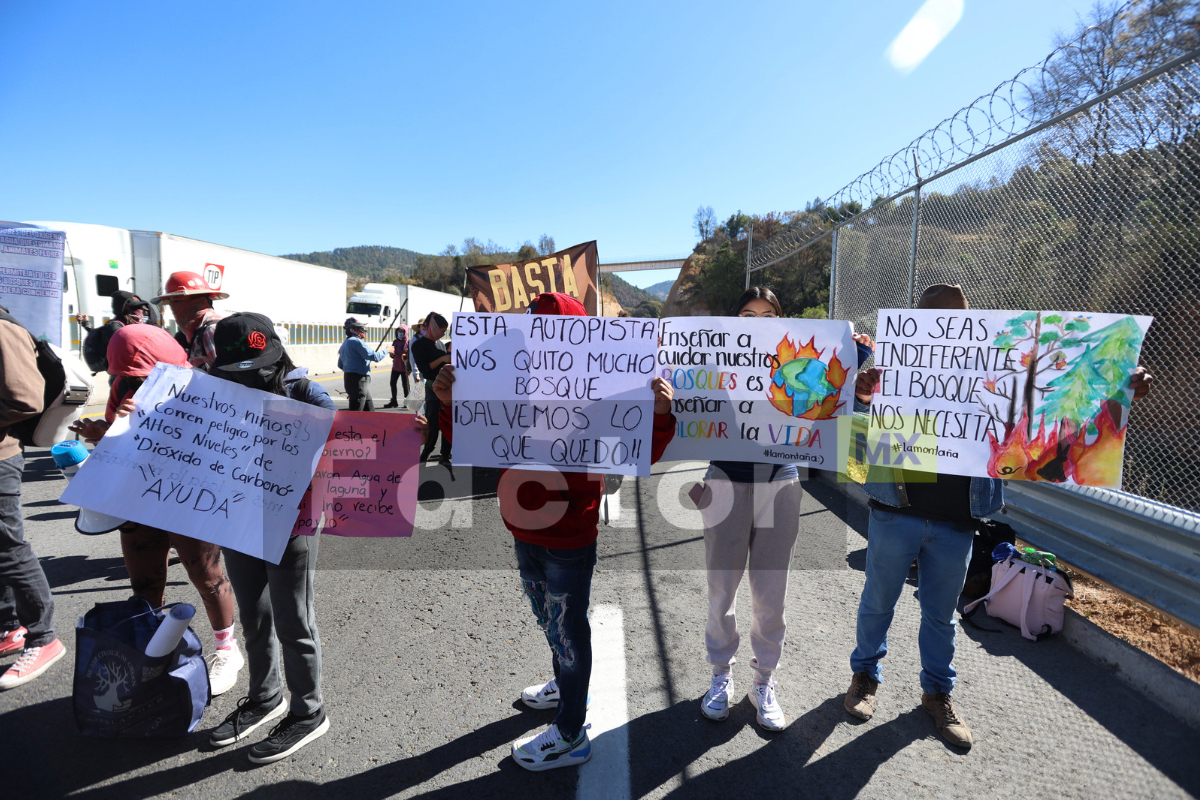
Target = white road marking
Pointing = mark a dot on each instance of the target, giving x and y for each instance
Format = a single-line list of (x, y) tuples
[(612, 508), (606, 776)]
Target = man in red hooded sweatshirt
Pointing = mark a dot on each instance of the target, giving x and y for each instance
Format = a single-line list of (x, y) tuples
[(553, 517)]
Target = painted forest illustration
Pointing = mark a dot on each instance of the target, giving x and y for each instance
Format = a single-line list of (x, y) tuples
[(1064, 403)]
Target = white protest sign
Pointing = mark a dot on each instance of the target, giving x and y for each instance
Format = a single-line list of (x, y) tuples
[(757, 389), (206, 458), (540, 391), (1020, 395), (31, 279)]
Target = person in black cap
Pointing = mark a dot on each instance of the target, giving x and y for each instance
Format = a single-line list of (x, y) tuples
[(128, 309), (275, 603), (355, 359)]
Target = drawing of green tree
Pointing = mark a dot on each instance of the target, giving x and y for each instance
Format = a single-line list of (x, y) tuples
[(1039, 340), (1077, 394), (1115, 349)]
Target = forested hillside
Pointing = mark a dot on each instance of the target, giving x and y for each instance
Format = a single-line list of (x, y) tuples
[(366, 262), (638, 302), (443, 272), (662, 289)]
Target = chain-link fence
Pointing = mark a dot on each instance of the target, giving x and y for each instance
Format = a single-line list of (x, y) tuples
[(1076, 186)]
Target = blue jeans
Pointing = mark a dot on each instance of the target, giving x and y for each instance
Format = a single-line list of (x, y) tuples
[(558, 584), (942, 551)]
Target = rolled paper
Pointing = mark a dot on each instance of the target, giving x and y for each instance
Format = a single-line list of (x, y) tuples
[(167, 637)]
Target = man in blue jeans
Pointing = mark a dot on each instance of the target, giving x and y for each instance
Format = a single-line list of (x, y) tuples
[(933, 522)]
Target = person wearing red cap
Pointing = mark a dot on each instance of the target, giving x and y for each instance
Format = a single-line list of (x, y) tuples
[(553, 517), (191, 301), (133, 352)]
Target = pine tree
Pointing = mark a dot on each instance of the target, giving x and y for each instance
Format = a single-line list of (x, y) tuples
[(1116, 354), (1077, 393)]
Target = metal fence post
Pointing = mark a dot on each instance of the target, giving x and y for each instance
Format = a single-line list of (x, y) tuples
[(833, 276), (749, 253), (986, 166), (916, 233)]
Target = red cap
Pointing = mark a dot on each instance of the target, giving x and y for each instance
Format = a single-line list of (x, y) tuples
[(558, 303), (133, 351)]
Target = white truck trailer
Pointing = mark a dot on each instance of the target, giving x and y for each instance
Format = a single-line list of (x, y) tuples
[(378, 303), (305, 298)]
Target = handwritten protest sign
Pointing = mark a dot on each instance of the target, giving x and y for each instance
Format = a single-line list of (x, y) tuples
[(766, 390), (548, 392), (206, 458), (31, 279), (1021, 395), (366, 481)]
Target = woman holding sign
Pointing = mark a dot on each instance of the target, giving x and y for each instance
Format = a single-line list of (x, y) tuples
[(275, 601), (132, 353), (751, 515)]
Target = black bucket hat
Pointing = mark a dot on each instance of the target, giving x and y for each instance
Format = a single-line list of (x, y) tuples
[(246, 341)]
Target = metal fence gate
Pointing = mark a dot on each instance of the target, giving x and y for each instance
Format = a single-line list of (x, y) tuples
[(1074, 186), (1095, 208)]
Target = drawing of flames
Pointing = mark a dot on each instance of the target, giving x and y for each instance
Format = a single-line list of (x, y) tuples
[(803, 385), (1060, 453)]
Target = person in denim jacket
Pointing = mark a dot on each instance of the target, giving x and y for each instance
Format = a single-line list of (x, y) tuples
[(932, 521)]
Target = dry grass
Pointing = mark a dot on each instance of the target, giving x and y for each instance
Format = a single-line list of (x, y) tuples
[(1141, 626)]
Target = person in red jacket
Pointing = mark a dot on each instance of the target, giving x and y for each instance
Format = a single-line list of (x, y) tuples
[(553, 517)]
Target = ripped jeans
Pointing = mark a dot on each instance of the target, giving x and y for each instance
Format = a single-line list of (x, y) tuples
[(558, 584)]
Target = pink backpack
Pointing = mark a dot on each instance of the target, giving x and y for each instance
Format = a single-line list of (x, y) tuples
[(1029, 596)]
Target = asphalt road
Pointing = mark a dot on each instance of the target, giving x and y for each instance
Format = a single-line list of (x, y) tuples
[(428, 642)]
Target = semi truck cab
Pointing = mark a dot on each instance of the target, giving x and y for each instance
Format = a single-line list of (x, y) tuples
[(376, 304)]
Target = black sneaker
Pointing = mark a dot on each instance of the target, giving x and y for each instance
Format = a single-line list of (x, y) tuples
[(245, 718), (289, 736)]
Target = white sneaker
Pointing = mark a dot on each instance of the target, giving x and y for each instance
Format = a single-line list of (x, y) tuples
[(770, 715), (545, 696), (549, 750), (715, 704), (223, 671)]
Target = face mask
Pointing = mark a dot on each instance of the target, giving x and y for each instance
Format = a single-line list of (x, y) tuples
[(251, 378), (188, 308), (137, 315)]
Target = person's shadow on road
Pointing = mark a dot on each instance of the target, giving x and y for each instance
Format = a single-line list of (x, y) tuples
[(662, 745), (787, 760)]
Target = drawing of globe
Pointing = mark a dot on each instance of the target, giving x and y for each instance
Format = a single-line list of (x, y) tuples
[(805, 378)]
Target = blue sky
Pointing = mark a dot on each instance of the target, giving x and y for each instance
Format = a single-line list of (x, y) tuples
[(300, 126)]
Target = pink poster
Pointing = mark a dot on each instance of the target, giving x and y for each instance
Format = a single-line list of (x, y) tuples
[(366, 480)]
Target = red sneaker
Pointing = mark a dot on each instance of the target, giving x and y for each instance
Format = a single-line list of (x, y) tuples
[(33, 662), (12, 641)]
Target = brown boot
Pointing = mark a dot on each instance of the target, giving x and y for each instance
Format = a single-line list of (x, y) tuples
[(860, 698), (949, 724)]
